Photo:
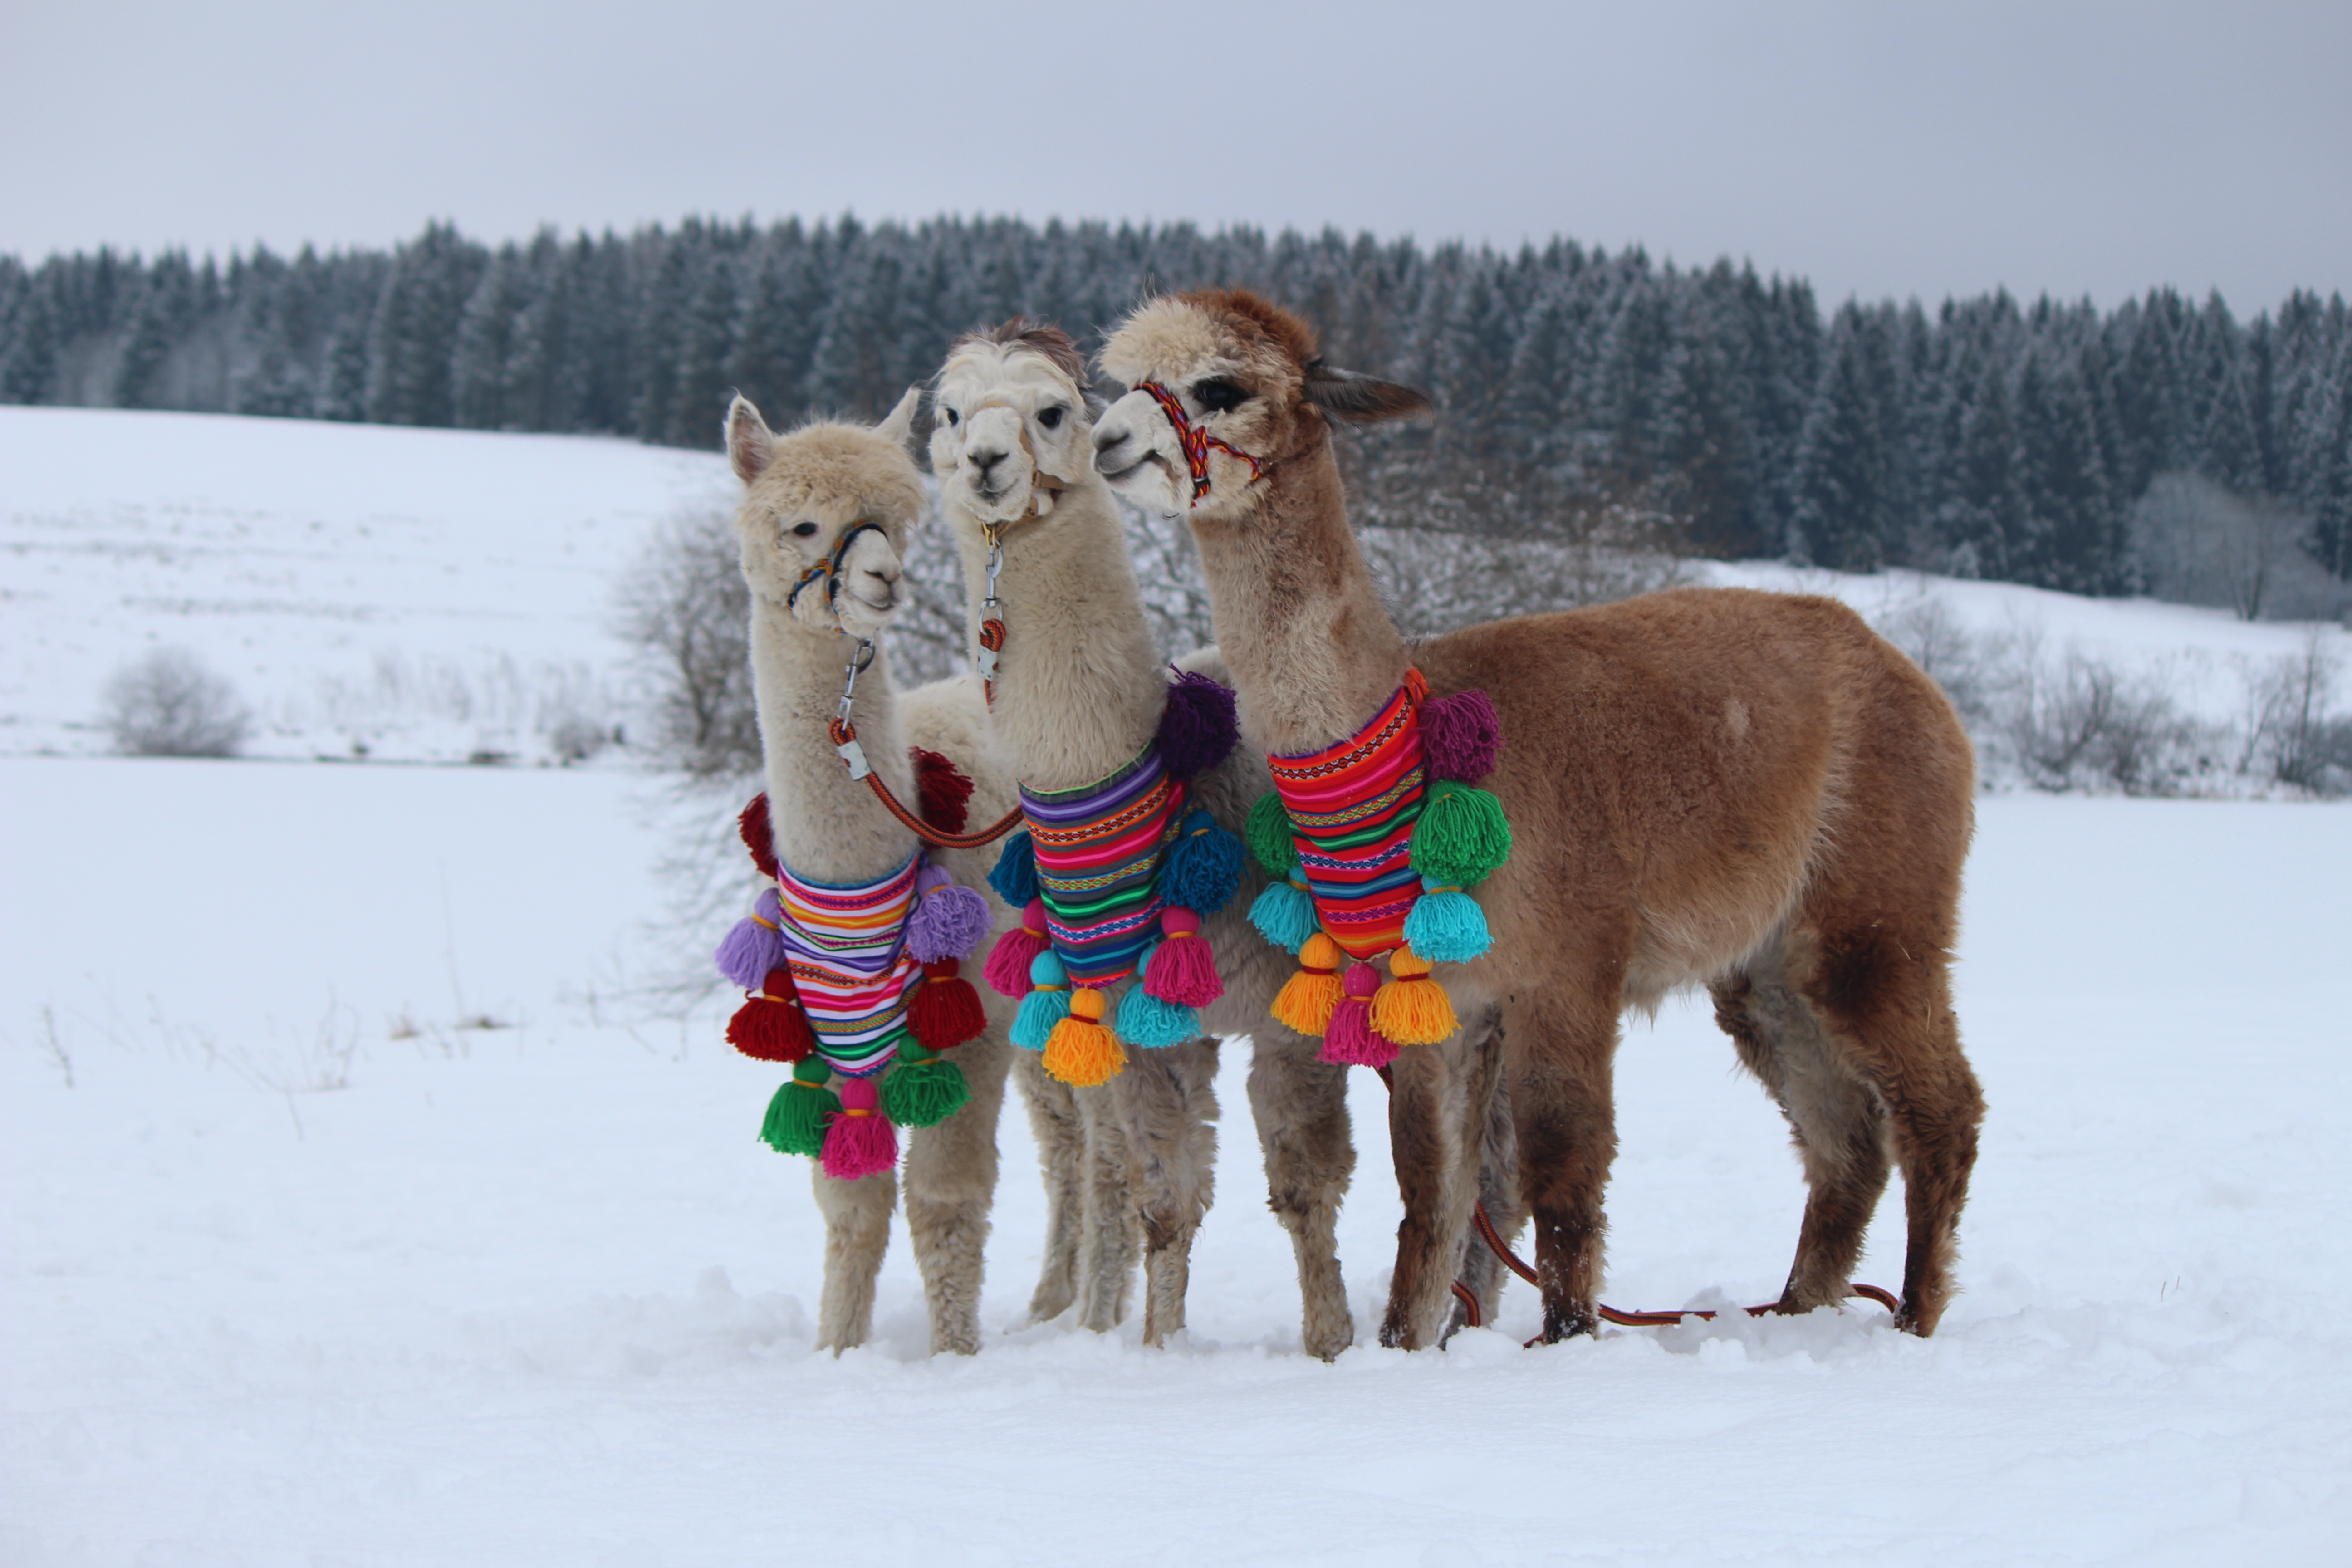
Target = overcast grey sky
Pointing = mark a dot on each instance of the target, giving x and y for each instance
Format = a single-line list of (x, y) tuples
[(1881, 150)]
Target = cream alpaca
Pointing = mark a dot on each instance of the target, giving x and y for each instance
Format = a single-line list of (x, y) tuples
[(1745, 791), (1079, 692), (802, 492)]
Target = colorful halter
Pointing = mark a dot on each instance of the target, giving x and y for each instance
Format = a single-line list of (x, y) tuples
[(862, 982), (828, 565), (1373, 858), (1195, 441), (1101, 870)]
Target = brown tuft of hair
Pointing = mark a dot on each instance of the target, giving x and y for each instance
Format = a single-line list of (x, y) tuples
[(1291, 335), (1043, 339)]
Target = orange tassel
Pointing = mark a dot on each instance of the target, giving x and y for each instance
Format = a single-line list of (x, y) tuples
[(1413, 1009), (1083, 1050), (1308, 999)]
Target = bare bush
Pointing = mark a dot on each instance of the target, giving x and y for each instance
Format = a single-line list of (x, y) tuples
[(687, 612), (1968, 664), (166, 703), (2292, 735), (2198, 544), (2090, 726)]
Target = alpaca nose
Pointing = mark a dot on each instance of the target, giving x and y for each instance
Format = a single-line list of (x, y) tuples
[(984, 458)]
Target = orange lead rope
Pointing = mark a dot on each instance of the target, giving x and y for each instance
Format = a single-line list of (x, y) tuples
[(1471, 1318)]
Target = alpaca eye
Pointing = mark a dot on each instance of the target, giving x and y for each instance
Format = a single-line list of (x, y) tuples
[(1051, 418), (1217, 396), (951, 417), (803, 530)]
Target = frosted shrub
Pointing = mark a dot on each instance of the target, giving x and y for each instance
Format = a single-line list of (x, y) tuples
[(167, 704), (685, 611)]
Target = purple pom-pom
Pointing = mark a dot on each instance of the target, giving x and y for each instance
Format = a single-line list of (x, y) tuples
[(751, 948), (1197, 729), (948, 923), (1459, 736)]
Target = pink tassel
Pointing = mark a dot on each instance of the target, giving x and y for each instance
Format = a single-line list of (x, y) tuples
[(1182, 969), (1351, 1041), (860, 1142), (1007, 969)]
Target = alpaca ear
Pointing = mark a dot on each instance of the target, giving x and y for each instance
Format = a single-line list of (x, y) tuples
[(1360, 399), (749, 444), (902, 423)]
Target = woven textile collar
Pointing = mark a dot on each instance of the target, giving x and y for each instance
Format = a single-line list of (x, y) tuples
[(1099, 848), (1352, 807), (847, 951)]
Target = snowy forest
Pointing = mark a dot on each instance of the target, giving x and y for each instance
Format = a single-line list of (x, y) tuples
[(2164, 446)]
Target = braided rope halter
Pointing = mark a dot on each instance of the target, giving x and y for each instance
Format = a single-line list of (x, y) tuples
[(1196, 441), (844, 734)]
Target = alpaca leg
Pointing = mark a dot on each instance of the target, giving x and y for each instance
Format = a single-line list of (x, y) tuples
[(1108, 1246), (950, 1185), (1835, 1119), (1561, 1053), (1437, 1131), (1498, 1191), (1300, 1106), (1061, 1135), (1167, 1106), (856, 1234), (1885, 995)]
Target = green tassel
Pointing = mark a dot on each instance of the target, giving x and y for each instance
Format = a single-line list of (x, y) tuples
[(924, 1093), (802, 1110), (1460, 835), (1268, 832)]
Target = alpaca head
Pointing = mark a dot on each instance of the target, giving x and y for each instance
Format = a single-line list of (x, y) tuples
[(804, 491), (1249, 383), (1010, 422)]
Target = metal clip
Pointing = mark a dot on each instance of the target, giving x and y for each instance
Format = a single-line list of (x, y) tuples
[(858, 661)]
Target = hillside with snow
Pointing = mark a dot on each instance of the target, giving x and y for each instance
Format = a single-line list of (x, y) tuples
[(362, 1200)]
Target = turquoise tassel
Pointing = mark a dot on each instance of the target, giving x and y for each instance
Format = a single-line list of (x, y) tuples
[(1047, 1004), (1446, 925), (1147, 1021), (1284, 914)]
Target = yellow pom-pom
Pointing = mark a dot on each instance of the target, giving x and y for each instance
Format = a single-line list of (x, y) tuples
[(1308, 999), (1413, 1009), (1083, 1050)]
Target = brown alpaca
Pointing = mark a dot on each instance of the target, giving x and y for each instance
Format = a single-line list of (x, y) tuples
[(1749, 791)]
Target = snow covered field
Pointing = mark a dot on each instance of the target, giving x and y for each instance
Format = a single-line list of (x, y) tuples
[(353, 1212)]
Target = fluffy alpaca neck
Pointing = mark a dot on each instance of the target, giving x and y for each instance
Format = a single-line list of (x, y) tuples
[(828, 827), (1078, 687), (1297, 615)]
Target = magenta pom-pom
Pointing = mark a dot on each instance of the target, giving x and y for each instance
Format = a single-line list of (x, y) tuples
[(1183, 970), (1198, 729), (860, 1142), (1460, 736), (1351, 1041), (751, 948), (1007, 969), (948, 922)]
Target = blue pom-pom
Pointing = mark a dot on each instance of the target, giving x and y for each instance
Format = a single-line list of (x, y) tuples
[(1015, 876), (1204, 866), (1284, 916), (1042, 1009), (1447, 926), (1149, 1022)]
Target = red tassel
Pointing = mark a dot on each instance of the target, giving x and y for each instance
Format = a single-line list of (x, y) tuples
[(757, 837), (942, 790), (1183, 970), (1007, 969), (770, 1025), (945, 1011)]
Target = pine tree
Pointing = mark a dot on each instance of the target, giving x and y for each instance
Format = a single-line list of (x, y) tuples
[(1840, 517), (416, 324)]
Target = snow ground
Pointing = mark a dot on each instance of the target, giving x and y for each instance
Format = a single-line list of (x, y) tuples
[(536, 1294), (356, 1207)]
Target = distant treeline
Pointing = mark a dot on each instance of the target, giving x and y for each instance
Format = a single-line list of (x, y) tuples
[(1983, 438)]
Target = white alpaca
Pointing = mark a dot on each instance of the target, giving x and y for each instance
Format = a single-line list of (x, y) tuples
[(1079, 692), (802, 492)]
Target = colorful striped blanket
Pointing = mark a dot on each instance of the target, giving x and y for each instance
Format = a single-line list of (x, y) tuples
[(1097, 850), (1352, 807), (847, 951)]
